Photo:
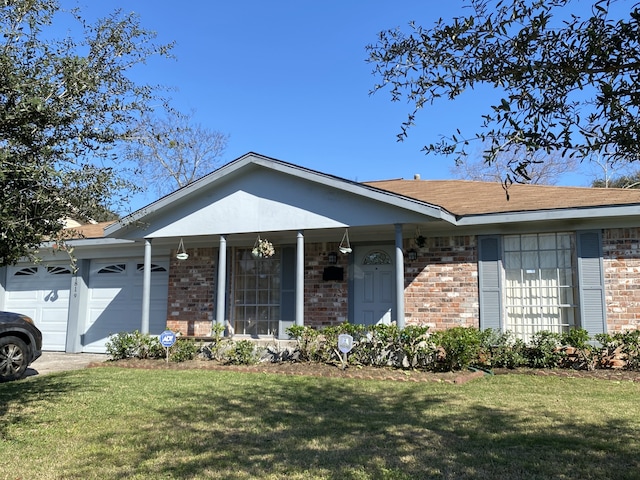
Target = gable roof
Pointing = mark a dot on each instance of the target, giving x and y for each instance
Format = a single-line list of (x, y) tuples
[(465, 198), (258, 193)]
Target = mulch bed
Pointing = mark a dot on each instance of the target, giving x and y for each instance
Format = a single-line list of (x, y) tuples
[(366, 373)]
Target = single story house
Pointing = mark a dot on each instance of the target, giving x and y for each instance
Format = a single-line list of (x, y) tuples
[(436, 253)]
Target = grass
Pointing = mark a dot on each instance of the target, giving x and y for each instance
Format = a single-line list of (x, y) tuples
[(111, 423)]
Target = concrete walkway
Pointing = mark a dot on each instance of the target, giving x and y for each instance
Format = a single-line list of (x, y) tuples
[(59, 362)]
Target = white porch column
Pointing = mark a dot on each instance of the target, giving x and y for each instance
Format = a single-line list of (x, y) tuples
[(399, 278), (300, 278), (146, 287), (221, 283)]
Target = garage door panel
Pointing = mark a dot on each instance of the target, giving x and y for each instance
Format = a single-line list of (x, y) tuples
[(106, 294), (42, 292), (25, 294), (115, 301)]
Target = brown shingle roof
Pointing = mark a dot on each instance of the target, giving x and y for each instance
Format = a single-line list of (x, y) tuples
[(90, 230), (463, 197)]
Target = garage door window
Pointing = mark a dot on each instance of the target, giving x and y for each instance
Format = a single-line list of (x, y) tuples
[(23, 272), (154, 268), (116, 268), (58, 270)]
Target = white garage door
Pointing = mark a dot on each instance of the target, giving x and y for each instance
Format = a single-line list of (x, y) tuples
[(115, 300), (42, 292)]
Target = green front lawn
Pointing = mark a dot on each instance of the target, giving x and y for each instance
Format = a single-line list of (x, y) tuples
[(111, 423)]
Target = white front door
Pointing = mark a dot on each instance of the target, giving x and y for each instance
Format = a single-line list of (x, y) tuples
[(374, 285)]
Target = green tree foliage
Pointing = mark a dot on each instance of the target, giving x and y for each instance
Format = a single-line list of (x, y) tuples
[(64, 104), (568, 82)]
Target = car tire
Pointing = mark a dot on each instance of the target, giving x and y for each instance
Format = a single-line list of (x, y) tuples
[(14, 358)]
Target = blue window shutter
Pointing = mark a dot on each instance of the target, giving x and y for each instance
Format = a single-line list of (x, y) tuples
[(288, 290), (490, 282), (591, 282)]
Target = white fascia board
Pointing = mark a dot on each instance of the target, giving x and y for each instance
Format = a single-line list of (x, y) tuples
[(545, 215), (88, 249), (98, 242), (90, 242)]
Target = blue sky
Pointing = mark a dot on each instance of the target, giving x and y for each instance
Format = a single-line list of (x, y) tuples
[(288, 79)]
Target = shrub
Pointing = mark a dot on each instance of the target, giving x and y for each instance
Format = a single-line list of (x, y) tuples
[(134, 345), (322, 345), (378, 347), (501, 349), (577, 338), (416, 348), (544, 350), (307, 341), (243, 352), (219, 344), (461, 347), (579, 353), (631, 348), (625, 345), (328, 343), (184, 349)]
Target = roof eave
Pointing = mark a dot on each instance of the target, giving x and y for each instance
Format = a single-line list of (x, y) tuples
[(576, 213)]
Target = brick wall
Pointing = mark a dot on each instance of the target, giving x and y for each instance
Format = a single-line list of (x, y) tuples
[(621, 252), (192, 291), (441, 286), (326, 302)]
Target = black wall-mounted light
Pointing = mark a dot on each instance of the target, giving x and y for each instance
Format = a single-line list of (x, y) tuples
[(332, 257), (412, 255)]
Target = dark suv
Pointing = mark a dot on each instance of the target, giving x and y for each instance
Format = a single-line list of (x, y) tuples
[(20, 344)]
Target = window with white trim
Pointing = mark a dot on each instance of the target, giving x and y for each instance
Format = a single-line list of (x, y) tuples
[(540, 283)]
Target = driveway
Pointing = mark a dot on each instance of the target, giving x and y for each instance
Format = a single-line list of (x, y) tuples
[(59, 362)]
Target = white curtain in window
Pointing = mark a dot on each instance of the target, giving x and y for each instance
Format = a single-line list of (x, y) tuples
[(539, 283)]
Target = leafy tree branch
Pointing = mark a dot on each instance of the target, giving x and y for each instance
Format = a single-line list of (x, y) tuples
[(64, 104), (568, 83)]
